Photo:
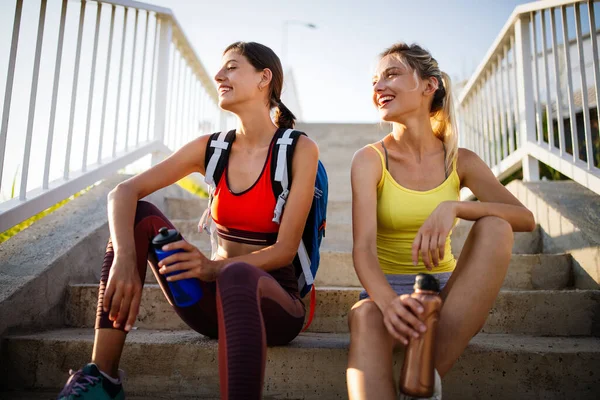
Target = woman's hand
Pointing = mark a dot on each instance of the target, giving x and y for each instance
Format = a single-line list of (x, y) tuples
[(430, 241), (400, 318), (123, 291), (191, 261)]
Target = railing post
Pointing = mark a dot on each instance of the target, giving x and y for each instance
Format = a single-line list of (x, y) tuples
[(162, 82), (526, 104)]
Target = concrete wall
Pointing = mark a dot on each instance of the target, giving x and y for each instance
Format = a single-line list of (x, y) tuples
[(37, 264), (569, 215)]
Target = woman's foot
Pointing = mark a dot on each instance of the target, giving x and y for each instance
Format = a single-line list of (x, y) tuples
[(90, 384)]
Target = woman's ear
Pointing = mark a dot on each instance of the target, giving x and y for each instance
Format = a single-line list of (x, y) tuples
[(265, 78), (431, 86)]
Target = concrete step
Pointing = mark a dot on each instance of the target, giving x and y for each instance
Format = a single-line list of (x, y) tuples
[(533, 312), (524, 242), (526, 271), (51, 395), (313, 366), (177, 208)]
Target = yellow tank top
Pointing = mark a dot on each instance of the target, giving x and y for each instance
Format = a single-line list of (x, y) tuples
[(400, 214)]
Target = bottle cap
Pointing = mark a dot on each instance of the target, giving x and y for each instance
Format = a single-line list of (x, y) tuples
[(426, 282), (165, 236)]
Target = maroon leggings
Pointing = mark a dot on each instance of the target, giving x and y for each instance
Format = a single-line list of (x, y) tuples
[(246, 308)]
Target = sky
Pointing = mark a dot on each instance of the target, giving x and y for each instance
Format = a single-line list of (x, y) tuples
[(332, 64)]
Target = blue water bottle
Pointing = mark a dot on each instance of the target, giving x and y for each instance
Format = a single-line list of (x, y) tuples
[(186, 291)]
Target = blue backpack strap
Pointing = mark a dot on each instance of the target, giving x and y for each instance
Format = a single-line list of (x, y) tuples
[(281, 179), (216, 156), (281, 167)]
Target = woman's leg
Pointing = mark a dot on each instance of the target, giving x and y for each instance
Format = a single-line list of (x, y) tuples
[(369, 374), (202, 317), (472, 289), (253, 310)]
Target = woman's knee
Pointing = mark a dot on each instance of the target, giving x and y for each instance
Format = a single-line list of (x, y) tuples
[(496, 229), (365, 316), (145, 209)]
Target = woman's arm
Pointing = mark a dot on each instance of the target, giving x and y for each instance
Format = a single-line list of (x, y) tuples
[(495, 199), (399, 312), (122, 200), (365, 174), (123, 291)]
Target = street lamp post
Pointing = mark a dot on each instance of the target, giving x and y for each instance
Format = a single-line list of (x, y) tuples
[(285, 35)]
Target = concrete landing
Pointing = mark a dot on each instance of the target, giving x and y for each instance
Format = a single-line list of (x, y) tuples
[(311, 367)]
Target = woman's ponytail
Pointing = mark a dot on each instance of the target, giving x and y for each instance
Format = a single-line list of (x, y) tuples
[(284, 118), (443, 119)]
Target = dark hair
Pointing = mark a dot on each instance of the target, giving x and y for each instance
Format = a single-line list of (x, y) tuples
[(262, 57)]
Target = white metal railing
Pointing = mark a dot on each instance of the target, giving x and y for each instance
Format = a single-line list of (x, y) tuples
[(535, 95), (144, 92)]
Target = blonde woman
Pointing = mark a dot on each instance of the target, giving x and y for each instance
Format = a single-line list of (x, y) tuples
[(405, 202)]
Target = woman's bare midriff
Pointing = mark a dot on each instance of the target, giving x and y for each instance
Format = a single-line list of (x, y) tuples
[(229, 249)]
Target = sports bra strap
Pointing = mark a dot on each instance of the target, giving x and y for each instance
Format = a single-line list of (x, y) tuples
[(445, 169), (386, 156), (383, 160)]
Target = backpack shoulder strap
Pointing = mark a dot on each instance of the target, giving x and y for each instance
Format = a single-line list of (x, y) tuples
[(281, 167), (217, 156)]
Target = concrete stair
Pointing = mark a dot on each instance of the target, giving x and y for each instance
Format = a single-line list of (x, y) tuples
[(541, 339), (532, 312), (51, 395), (312, 366)]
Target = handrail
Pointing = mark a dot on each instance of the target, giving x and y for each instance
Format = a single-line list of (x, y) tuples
[(163, 67), (504, 35), (530, 101), (178, 34)]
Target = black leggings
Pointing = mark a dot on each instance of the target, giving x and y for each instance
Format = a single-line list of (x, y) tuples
[(246, 308)]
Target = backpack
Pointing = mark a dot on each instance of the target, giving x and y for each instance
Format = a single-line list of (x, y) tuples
[(306, 262)]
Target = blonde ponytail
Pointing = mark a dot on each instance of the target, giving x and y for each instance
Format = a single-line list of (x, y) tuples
[(443, 120)]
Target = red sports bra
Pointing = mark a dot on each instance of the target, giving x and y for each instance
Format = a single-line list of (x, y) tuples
[(246, 217)]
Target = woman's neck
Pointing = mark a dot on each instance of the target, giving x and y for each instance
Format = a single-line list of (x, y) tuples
[(255, 127), (415, 136)]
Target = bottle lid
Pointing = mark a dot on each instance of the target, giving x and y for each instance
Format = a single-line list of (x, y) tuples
[(165, 236), (426, 282)]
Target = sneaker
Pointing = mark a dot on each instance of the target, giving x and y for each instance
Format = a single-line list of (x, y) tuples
[(89, 384)]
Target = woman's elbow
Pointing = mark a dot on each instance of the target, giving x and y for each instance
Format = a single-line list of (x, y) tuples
[(287, 253), (115, 192), (529, 221), (122, 189)]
